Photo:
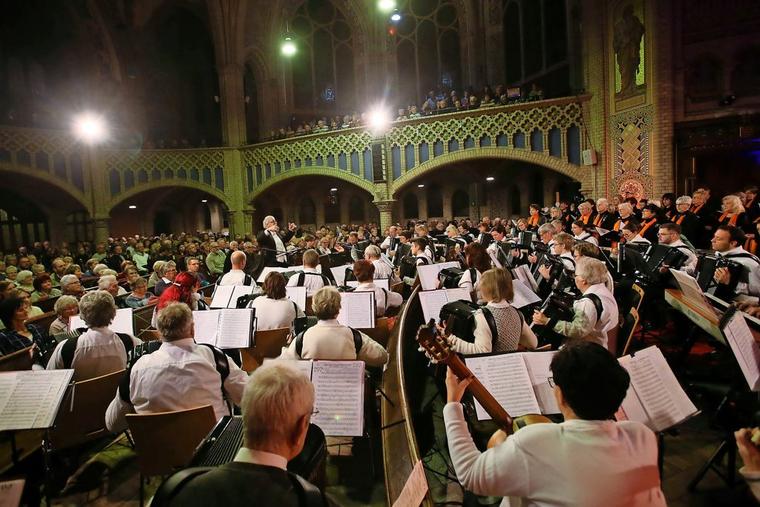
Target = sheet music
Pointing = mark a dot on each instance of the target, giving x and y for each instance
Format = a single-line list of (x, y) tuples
[(235, 328), (206, 325), (657, 389), (432, 301), (692, 292), (241, 290), (383, 283), (297, 295), (601, 231), (539, 369), (523, 274), (277, 269), (506, 378), (339, 274), (339, 397), (30, 399), (222, 296), (745, 348), (11, 491), (428, 274), (357, 309), (415, 488), (523, 295), (122, 322)]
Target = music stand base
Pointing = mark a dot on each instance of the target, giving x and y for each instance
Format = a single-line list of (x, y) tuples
[(726, 448)]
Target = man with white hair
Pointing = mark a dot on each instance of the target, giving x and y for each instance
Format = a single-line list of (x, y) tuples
[(278, 403), (71, 286), (98, 351), (391, 241), (383, 268), (110, 284), (179, 375), (595, 314), (272, 242), (237, 275)]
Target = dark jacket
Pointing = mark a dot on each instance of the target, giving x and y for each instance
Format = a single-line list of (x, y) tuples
[(267, 245)]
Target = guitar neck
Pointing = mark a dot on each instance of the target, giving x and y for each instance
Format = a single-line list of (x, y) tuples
[(478, 390)]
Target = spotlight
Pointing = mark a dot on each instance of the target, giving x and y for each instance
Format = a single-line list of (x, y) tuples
[(490, 178), (379, 119), (333, 189), (204, 200), (386, 5), (132, 206), (421, 185), (90, 128), (396, 16), (288, 47)]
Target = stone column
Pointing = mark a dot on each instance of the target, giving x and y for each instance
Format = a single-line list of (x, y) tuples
[(102, 229), (474, 193), (386, 213), (422, 203), (241, 221), (217, 220), (232, 102)]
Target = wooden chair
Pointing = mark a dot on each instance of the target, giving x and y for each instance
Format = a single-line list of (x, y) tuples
[(638, 297), (81, 417), (47, 305), (266, 344), (149, 335), (141, 318), (42, 322), (627, 330), (166, 441), (308, 310), (380, 333), (19, 360)]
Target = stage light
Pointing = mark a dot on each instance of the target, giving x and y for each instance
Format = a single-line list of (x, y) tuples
[(132, 206), (379, 119), (288, 47), (333, 189), (204, 200), (421, 185), (490, 178), (90, 128), (386, 5), (396, 16)]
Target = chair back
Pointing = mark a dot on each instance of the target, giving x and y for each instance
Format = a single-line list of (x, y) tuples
[(141, 318), (266, 344), (309, 311), (627, 330), (380, 333), (149, 335), (47, 305), (19, 360), (166, 441), (637, 297), (42, 322), (81, 417)]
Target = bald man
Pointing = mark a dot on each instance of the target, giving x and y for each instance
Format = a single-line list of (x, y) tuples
[(236, 276)]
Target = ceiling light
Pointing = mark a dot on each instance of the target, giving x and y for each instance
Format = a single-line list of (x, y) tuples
[(396, 16), (379, 119), (386, 5), (333, 189), (204, 200), (490, 178), (132, 206), (288, 47), (421, 185), (90, 128)]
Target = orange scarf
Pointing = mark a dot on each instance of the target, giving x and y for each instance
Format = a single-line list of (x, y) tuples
[(533, 220), (680, 219), (646, 227), (731, 220), (598, 220), (584, 218), (695, 209)]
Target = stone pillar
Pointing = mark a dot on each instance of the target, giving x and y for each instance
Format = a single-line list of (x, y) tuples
[(474, 193), (386, 213), (241, 221), (232, 102), (422, 204), (217, 220), (102, 229)]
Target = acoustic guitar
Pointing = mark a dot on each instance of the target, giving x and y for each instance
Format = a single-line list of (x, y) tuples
[(439, 349)]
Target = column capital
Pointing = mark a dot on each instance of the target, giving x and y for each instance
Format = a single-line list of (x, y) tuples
[(385, 205)]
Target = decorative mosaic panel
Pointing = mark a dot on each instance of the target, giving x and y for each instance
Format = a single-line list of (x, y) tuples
[(631, 133)]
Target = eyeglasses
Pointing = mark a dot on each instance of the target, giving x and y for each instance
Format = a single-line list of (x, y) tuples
[(550, 381)]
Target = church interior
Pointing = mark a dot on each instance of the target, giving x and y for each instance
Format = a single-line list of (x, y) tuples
[(511, 244)]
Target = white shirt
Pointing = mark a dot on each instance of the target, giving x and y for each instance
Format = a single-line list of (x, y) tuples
[(329, 340), (274, 313), (178, 376), (690, 266), (589, 327), (279, 246), (640, 240), (99, 351), (383, 299), (466, 282), (575, 463), (233, 277), (753, 287), (383, 270), (588, 238), (386, 244), (313, 282), (246, 455)]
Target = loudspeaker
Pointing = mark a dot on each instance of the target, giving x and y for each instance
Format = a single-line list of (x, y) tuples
[(377, 163), (588, 157)]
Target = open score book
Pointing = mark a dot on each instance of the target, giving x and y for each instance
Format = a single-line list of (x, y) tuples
[(226, 329)]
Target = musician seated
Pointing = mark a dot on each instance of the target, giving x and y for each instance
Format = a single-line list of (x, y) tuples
[(670, 234), (329, 339), (727, 242), (562, 247), (98, 351), (588, 460), (420, 252), (498, 250), (237, 275), (278, 403), (273, 309), (384, 299), (421, 231), (510, 330), (580, 233), (452, 232), (589, 323), (391, 241), (383, 268), (593, 251), (353, 240), (179, 375), (311, 277), (478, 262), (632, 236)]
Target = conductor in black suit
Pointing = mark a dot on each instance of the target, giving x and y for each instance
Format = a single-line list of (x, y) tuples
[(272, 242), (278, 403)]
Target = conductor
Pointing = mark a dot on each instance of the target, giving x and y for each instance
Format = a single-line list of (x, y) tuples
[(272, 242)]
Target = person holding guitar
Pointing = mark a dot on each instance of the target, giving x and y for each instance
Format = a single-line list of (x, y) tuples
[(588, 460)]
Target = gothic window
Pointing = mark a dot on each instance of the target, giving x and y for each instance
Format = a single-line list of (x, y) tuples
[(427, 48), (323, 67)]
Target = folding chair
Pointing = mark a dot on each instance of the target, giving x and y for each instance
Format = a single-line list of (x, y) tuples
[(166, 441), (627, 330)]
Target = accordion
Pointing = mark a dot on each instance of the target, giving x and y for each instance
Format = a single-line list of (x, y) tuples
[(460, 318)]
